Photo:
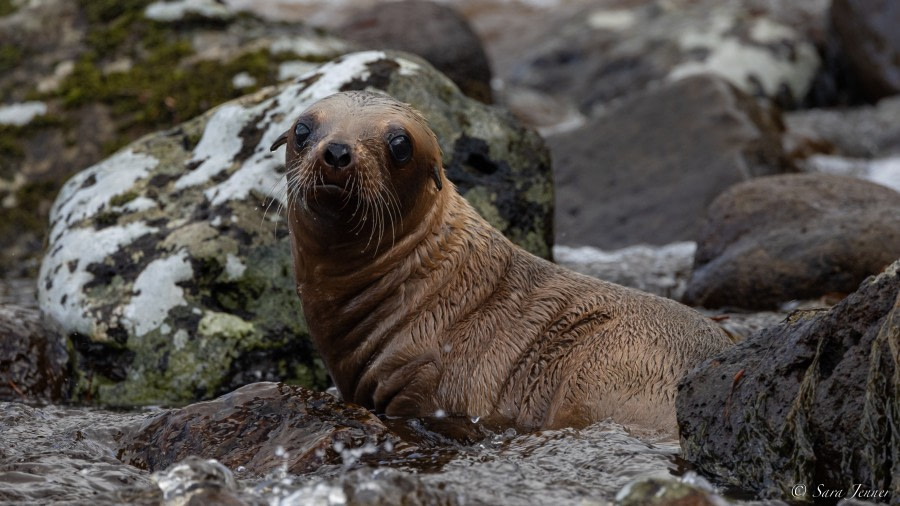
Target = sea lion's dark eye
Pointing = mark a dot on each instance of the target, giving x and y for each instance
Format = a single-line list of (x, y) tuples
[(401, 148), (301, 133)]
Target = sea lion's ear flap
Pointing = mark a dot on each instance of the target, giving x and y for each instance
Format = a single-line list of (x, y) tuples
[(436, 175), (280, 141)]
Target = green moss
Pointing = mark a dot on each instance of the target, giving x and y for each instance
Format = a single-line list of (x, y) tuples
[(21, 217), (123, 198), (10, 57), (155, 94), (7, 7)]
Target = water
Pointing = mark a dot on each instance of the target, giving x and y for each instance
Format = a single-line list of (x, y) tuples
[(57, 454)]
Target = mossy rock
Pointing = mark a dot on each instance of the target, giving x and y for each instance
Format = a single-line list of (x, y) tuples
[(169, 266), (112, 71)]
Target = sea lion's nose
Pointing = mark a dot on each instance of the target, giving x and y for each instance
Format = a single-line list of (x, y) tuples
[(337, 155)]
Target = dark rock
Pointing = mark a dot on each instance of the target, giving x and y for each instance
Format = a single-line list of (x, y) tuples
[(438, 33), (868, 43), (168, 263), (34, 362), (801, 236), (262, 427), (646, 171), (813, 400)]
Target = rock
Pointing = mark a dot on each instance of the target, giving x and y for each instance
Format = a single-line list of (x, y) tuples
[(363, 487), (861, 132), (883, 171), (690, 490), (81, 79), (168, 264), (34, 362), (646, 171), (262, 427), (61, 455), (868, 43), (438, 33), (603, 54), (662, 271), (813, 400), (775, 239)]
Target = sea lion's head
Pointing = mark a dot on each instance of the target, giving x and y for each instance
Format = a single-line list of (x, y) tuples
[(360, 165)]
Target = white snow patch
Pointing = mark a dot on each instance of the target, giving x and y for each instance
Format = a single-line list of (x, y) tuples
[(309, 46), (156, 292), (243, 80), (661, 270), (296, 68), (234, 268), (64, 271), (139, 204), (21, 113), (78, 200), (614, 19), (174, 11), (335, 74), (220, 142), (743, 64), (884, 171), (180, 339)]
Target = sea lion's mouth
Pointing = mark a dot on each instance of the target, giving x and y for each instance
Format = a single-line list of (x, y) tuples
[(329, 187)]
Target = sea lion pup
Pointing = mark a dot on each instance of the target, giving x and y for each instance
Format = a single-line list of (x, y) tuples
[(418, 306)]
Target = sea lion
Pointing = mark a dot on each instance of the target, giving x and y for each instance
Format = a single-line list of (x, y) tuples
[(419, 307)]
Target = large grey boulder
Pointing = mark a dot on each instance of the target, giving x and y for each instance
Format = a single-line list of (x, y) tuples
[(646, 171), (798, 236), (168, 264), (812, 402)]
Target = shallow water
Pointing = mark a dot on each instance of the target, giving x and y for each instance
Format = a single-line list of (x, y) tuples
[(58, 454)]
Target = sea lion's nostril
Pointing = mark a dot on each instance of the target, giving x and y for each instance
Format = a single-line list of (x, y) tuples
[(337, 155)]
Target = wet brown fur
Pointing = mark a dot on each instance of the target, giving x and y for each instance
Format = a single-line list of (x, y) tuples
[(423, 306)]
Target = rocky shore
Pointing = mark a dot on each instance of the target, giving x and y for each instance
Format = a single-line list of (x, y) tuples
[(742, 157)]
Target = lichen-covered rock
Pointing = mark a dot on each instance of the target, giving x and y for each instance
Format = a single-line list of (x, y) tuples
[(868, 43), (813, 400), (436, 32), (168, 263), (602, 54), (79, 79), (646, 171), (34, 362), (800, 236), (262, 427)]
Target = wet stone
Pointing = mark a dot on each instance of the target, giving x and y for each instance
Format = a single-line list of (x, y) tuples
[(34, 362), (812, 400), (774, 239), (263, 427)]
